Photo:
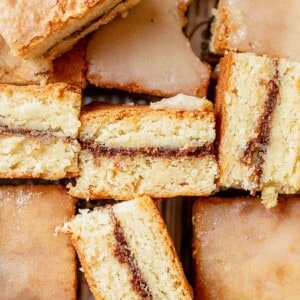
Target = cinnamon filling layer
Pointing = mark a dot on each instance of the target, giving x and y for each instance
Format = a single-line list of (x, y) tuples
[(254, 154), (39, 134), (124, 255), (98, 149)]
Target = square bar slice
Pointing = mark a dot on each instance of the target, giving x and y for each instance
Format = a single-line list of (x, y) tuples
[(147, 52), (162, 150), (127, 253), (258, 107), (50, 28), (69, 67), (244, 251), (38, 131), (261, 27), (34, 263)]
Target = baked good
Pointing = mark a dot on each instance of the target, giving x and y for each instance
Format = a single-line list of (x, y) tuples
[(14, 70), (244, 251), (34, 263), (147, 52), (162, 150), (127, 253), (257, 26), (259, 126), (47, 28), (69, 67), (38, 131)]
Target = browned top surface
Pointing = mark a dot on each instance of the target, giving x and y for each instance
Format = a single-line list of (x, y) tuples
[(244, 251), (147, 52), (262, 27), (68, 68), (37, 20), (34, 264), (97, 110)]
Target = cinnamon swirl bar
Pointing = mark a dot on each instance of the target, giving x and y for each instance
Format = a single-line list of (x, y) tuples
[(162, 150), (38, 131), (127, 253), (259, 120)]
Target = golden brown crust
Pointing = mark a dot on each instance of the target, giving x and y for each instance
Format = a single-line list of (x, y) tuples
[(59, 91), (87, 271), (125, 196), (175, 68), (71, 66), (149, 205), (220, 108), (97, 110)]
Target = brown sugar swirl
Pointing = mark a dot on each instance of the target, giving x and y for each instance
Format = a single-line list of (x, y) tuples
[(124, 255), (256, 148)]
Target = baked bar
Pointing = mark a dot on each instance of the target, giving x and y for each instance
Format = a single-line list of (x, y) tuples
[(46, 28), (257, 26), (35, 264), (162, 150), (127, 253), (38, 131), (147, 52), (244, 251), (69, 67), (258, 108)]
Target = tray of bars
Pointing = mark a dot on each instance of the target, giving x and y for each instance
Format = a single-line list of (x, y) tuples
[(149, 149)]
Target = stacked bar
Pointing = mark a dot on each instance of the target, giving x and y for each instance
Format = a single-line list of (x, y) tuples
[(259, 127), (164, 150), (126, 252), (38, 131)]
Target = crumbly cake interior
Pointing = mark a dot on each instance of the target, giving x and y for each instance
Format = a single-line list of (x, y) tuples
[(122, 176), (259, 143), (100, 237), (282, 164), (127, 127), (240, 100), (44, 157), (53, 108), (38, 131)]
